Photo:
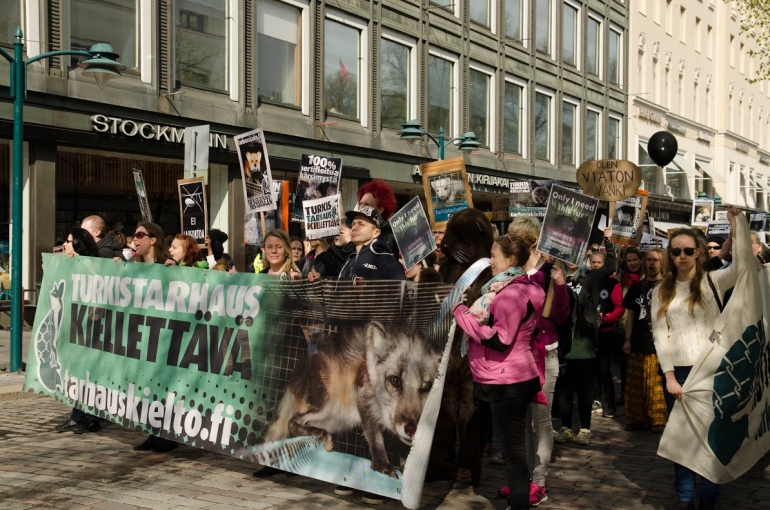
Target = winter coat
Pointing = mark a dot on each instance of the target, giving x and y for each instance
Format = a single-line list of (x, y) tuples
[(560, 308), (373, 262), (109, 247)]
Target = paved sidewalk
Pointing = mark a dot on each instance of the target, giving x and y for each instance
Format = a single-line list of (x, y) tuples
[(42, 469)]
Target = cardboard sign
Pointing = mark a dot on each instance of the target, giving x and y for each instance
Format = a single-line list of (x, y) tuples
[(702, 212), (628, 218), (500, 208), (529, 198), (255, 171), (609, 179), (319, 176), (567, 226), (141, 192), (276, 219), (413, 234), (322, 217), (446, 190), (193, 209)]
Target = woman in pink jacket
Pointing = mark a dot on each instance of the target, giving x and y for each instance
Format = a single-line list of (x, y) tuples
[(500, 330)]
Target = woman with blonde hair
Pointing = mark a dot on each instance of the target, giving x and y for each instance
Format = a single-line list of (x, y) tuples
[(278, 258)]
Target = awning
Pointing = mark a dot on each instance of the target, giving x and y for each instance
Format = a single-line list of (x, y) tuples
[(706, 167), (683, 165), (662, 227), (762, 182)]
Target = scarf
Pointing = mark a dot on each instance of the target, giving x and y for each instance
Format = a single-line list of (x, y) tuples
[(630, 278), (480, 308)]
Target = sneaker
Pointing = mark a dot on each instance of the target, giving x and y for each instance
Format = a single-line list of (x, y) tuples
[(86, 426), (537, 494), (504, 492), (609, 413), (596, 407), (583, 437), (488, 449), (373, 499), (497, 458), (67, 425), (565, 436), (341, 490)]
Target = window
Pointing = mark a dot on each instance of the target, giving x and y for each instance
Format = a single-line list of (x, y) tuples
[(614, 142), (568, 133), (542, 126), (201, 43), (11, 19), (342, 69), (649, 169), (449, 4), (709, 36), (543, 26), (683, 24), (615, 51), (513, 16), (441, 87), (94, 22), (570, 34), (593, 45), (478, 105), (395, 79), (479, 11), (698, 36), (512, 120), (669, 16), (279, 72), (593, 134)]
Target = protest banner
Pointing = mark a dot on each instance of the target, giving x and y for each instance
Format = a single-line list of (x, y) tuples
[(141, 192), (702, 212), (319, 176), (718, 228), (322, 217), (609, 179), (446, 190), (567, 224), (276, 219), (529, 198), (230, 363), (413, 234), (255, 171), (757, 221), (627, 219), (193, 210)]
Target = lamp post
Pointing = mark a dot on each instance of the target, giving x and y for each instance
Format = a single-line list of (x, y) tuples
[(413, 131), (101, 65)]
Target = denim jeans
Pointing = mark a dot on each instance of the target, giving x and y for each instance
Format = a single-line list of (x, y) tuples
[(540, 439), (509, 418), (684, 479)]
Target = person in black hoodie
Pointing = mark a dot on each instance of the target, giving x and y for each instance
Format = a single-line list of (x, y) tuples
[(378, 195), (373, 259), (108, 246)]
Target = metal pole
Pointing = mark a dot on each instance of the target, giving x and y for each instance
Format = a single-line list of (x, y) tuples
[(193, 166), (441, 143), (17, 77)]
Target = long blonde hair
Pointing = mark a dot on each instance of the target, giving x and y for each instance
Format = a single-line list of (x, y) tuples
[(668, 286), (288, 264)]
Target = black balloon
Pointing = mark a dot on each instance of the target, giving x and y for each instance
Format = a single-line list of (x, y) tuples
[(662, 148)]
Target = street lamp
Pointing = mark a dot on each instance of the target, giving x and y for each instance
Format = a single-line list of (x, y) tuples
[(102, 66), (413, 131)]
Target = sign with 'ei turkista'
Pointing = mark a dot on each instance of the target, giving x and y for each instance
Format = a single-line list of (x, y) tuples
[(609, 179)]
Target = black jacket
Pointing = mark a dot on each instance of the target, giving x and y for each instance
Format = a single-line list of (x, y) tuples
[(587, 322), (109, 247), (373, 262)]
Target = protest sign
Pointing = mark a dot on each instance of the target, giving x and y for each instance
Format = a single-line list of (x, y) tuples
[(255, 171), (757, 221), (627, 218), (720, 215), (231, 363), (702, 212), (567, 225), (529, 198), (501, 208), (650, 241), (718, 228), (648, 226), (413, 234), (193, 210), (319, 176), (276, 219), (446, 190), (322, 217), (609, 179), (141, 192)]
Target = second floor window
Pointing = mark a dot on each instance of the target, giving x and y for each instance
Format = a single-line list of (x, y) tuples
[(513, 19), (394, 83), (593, 46), (279, 75), (11, 19), (570, 35), (94, 22), (341, 69), (440, 94), (512, 119), (201, 43), (543, 26), (478, 105)]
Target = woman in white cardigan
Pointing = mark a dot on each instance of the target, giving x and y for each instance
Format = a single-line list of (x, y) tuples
[(684, 311)]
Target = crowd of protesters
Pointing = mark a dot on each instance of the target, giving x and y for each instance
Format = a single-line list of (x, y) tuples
[(540, 338)]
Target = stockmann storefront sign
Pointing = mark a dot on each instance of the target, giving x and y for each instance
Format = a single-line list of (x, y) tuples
[(149, 131)]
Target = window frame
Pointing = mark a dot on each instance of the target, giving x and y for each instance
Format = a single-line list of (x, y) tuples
[(617, 30), (656, 170), (599, 45), (454, 97), (614, 116), (576, 130), (551, 94), (411, 86), (551, 29), (599, 134), (491, 94), (524, 27), (578, 46), (523, 115), (363, 54), (491, 23)]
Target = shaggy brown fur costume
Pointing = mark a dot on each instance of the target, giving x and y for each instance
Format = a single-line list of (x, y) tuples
[(469, 237)]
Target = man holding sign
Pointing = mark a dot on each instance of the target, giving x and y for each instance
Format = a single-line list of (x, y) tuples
[(373, 259)]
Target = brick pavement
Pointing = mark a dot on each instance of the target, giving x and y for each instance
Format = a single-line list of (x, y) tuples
[(42, 469)]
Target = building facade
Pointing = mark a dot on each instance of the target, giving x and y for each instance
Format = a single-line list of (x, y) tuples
[(542, 83)]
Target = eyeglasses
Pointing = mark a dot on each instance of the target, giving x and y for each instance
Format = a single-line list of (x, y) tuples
[(141, 235), (678, 251), (714, 247)]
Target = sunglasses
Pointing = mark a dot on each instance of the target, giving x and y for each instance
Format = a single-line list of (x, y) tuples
[(678, 251), (141, 235), (712, 247)]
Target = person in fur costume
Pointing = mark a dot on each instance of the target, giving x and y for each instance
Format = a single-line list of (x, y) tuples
[(468, 238)]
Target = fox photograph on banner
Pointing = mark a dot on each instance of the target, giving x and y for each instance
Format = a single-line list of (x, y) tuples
[(567, 225), (628, 219), (322, 217), (446, 190), (193, 209), (312, 378), (414, 236), (278, 218), (255, 171), (529, 198), (141, 193), (702, 212), (319, 177)]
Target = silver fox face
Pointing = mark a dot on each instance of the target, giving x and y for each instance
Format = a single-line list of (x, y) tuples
[(402, 366)]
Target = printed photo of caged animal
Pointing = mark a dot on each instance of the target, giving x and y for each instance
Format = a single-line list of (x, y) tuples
[(446, 189), (539, 193), (374, 376), (311, 190), (254, 171)]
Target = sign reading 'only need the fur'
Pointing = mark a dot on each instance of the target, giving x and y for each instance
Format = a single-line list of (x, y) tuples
[(567, 225)]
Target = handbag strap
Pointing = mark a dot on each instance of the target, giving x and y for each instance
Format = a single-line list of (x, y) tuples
[(716, 294)]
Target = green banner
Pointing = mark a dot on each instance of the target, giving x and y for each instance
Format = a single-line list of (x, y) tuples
[(331, 380)]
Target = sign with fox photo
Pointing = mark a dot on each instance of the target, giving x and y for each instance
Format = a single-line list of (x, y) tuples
[(446, 190), (338, 381), (628, 218), (567, 226), (255, 171), (529, 198), (193, 209), (319, 177)]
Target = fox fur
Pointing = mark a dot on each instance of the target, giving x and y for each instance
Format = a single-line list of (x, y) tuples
[(375, 376)]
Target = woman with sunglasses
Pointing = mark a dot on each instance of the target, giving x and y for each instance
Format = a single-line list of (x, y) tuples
[(684, 310)]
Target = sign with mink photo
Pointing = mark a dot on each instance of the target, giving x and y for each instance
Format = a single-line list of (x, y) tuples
[(278, 218), (255, 171), (413, 234), (446, 190), (567, 225), (319, 177), (529, 198), (628, 219), (193, 210), (322, 217)]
